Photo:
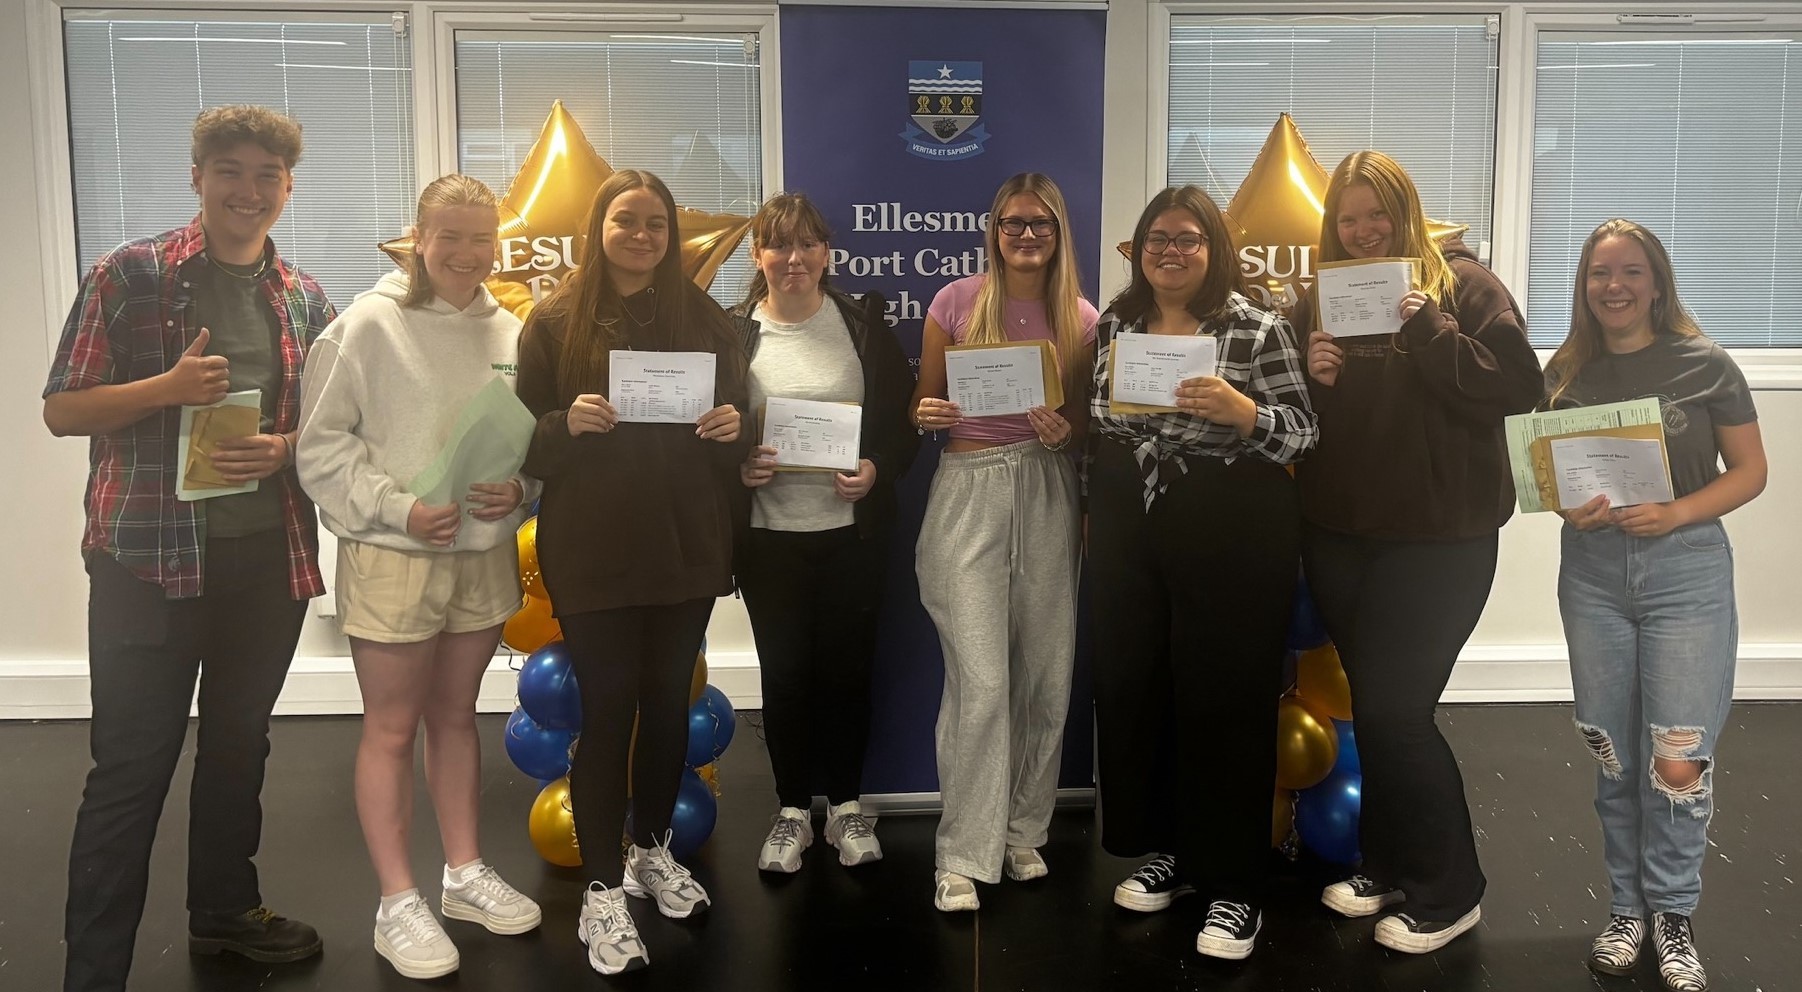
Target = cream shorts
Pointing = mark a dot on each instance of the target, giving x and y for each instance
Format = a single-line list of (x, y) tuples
[(398, 597)]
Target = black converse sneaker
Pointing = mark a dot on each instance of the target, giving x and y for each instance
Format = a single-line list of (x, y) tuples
[(1677, 960), (1616, 948), (1153, 887), (1230, 930), (1360, 896), (1404, 933)]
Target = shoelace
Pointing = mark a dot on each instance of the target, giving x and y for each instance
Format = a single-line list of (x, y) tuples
[(489, 883), (785, 834), (263, 915), (416, 918), (665, 862), (1362, 884), (1156, 870), (1676, 946), (1229, 915), (854, 827), (608, 917)]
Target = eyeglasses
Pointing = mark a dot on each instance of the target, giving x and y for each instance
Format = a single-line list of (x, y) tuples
[(1186, 244), (1042, 227)]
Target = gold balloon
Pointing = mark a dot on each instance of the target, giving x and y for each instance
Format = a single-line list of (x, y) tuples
[(552, 826), (544, 212), (1306, 745), (1320, 679), (710, 773), (1282, 817), (1275, 216), (700, 680), (532, 627), (529, 578)]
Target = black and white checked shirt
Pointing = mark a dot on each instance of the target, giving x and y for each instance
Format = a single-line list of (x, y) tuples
[(1258, 356)]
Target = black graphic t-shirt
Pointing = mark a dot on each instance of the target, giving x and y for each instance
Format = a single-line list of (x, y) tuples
[(1697, 385)]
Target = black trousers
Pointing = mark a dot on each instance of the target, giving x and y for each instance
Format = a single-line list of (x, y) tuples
[(144, 653), (1191, 608), (1398, 613), (634, 658), (812, 597)]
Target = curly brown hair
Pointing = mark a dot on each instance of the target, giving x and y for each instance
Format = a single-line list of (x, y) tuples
[(221, 128)]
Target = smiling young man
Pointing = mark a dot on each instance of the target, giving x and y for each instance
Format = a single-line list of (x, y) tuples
[(179, 587)]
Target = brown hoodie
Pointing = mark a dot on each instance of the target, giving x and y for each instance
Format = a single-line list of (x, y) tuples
[(1411, 442)]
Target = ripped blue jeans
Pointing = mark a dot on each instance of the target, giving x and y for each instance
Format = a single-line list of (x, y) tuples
[(1653, 632)]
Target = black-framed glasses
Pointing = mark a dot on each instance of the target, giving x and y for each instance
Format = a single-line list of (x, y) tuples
[(1186, 244), (1041, 227)]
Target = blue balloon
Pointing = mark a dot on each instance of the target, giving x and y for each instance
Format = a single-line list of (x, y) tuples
[(691, 820), (711, 723), (547, 688), (1306, 629), (1326, 816), (1348, 749), (541, 752)]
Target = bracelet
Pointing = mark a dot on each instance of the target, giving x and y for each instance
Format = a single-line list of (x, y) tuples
[(1061, 445), (289, 458)]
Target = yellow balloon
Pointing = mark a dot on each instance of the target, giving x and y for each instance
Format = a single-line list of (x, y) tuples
[(532, 627), (1320, 679), (710, 773), (1306, 745), (552, 826), (1282, 817), (529, 579), (700, 680)]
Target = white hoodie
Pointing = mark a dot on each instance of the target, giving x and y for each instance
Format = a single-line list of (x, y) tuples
[(384, 386)]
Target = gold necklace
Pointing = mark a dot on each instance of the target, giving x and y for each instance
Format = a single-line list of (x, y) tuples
[(262, 267)]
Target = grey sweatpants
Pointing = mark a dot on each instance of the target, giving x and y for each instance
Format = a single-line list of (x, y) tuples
[(997, 562)]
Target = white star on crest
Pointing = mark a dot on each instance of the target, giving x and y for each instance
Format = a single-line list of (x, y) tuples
[(944, 72)]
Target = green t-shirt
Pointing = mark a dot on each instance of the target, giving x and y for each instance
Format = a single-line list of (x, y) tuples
[(229, 303)]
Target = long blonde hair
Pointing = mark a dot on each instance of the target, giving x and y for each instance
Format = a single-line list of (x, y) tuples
[(1063, 288), (1401, 201), (1584, 342), (454, 190)]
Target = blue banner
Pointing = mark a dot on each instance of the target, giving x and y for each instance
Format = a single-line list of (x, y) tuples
[(901, 123)]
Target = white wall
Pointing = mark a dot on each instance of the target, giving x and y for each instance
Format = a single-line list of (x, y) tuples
[(1516, 653)]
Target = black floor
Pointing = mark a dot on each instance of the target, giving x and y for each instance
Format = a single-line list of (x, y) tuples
[(875, 928)]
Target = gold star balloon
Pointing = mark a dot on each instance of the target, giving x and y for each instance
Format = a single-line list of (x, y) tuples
[(543, 214), (1275, 217)]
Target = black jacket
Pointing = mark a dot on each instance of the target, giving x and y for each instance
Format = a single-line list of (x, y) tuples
[(889, 440)]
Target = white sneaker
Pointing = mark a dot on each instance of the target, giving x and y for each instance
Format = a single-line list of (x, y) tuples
[(953, 893), (1023, 864), (607, 929), (1360, 895), (410, 937), (1404, 933), (847, 830), (791, 830), (655, 874), (477, 893)]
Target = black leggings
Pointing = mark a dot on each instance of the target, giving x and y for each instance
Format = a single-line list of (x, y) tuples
[(632, 658)]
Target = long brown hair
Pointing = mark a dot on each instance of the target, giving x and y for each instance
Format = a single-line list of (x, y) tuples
[(1063, 287), (454, 190), (1584, 342), (784, 218), (1224, 276), (1396, 192), (590, 306)]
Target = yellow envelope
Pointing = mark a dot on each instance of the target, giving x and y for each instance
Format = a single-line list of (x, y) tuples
[(1048, 367), (211, 426)]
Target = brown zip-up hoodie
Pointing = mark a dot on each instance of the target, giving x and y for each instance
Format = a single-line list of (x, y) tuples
[(1411, 444), (644, 514)]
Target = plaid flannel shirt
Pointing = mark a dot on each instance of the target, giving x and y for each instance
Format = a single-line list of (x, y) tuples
[(131, 321), (1258, 357)]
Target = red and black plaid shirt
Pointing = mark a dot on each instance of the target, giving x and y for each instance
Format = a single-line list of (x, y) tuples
[(131, 322)]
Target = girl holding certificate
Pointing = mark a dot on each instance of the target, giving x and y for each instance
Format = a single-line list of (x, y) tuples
[(1647, 592), (997, 555), (635, 537), (1193, 614), (812, 563), (1402, 501), (422, 590)]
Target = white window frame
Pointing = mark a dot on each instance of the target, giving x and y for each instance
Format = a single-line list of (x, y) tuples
[(1517, 65), (431, 31)]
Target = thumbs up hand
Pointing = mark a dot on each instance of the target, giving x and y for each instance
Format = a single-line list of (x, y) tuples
[(198, 379)]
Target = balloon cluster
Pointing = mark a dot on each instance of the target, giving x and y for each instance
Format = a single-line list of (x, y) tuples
[(543, 731), (1318, 775)]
